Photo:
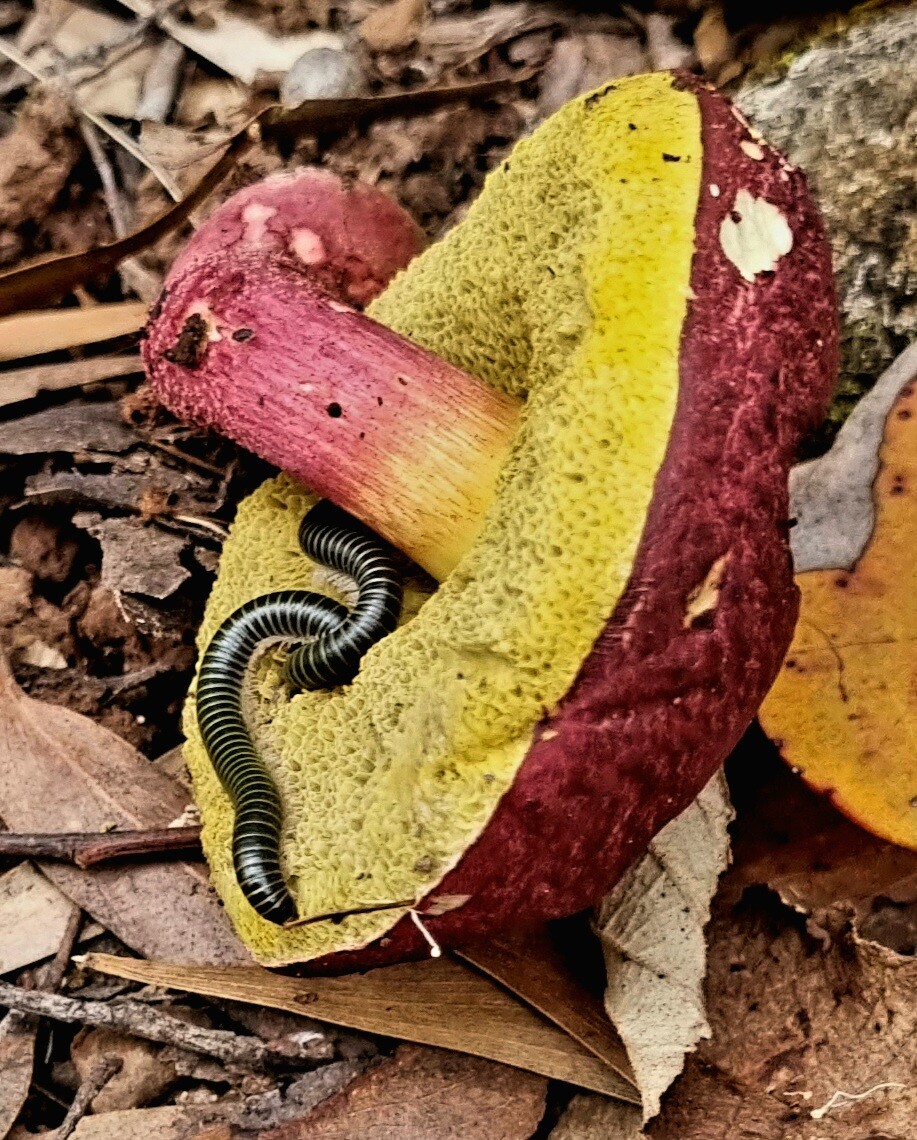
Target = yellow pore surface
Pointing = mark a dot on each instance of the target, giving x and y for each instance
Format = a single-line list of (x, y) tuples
[(844, 708), (567, 284)]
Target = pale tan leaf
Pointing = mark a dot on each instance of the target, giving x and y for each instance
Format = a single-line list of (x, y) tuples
[(652, 930), (60, 771), (437, 1002), (34, 916), (235, 44), (170, 1122)]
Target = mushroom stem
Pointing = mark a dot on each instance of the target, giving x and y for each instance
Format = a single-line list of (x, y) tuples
[(405, 441)]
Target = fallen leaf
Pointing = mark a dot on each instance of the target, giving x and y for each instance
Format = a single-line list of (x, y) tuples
[(36, 158), (143, 1075), (60, 771), (433, 1003), (597, 1118), (789, 838), (809, 1041), (843, 710), (530, 966), (396, 24), (219, 42), (651, 926), (427, 1094), (49, 330), (19, 384), (69, 428), (34, 916), (17, 1055)]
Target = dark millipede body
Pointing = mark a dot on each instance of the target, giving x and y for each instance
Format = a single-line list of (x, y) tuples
[(340, 639)]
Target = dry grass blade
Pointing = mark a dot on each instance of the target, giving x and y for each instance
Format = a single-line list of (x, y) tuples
[(48, 330), (437, 1002), (34, 285)]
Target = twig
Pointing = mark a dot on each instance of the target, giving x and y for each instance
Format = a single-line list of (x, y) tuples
[(99, 1076), (134, 276), (151, 1024), (53, 974), (89, 849)]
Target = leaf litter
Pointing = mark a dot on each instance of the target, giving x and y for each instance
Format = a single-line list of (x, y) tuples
[(92, 626)]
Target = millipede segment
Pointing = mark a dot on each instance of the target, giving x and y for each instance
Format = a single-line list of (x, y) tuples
[(336, 638)]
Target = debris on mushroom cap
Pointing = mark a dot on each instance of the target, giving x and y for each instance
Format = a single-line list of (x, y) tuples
[(351, 238), (521, 738)]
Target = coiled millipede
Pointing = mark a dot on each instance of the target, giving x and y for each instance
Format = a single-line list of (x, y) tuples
[(339, 639)]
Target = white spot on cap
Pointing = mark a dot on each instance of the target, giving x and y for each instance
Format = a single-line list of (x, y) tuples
[(256, 216), (308, 246), (752, 150), (755, 235), (714, 190)]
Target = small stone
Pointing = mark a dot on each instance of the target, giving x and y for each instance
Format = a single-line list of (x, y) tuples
[(322, 73)]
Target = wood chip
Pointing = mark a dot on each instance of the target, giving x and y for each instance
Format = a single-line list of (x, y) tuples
[(69, 428)]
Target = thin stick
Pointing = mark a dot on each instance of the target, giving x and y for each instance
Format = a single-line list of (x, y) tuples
[(89, 849), (99, 1076), (151, 1024), (134, 276)]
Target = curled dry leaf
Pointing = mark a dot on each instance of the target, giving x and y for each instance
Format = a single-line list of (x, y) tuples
[(652, 930), (844, 706), (60, 771)]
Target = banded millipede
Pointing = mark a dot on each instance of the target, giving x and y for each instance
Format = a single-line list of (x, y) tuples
[(340, 639)]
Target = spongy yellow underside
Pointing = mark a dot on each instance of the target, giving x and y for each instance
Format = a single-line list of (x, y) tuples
[(567, 284)]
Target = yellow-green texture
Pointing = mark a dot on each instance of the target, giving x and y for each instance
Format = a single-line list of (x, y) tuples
[(567, 284)]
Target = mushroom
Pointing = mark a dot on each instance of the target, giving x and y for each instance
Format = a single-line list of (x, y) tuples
[(632, 329)]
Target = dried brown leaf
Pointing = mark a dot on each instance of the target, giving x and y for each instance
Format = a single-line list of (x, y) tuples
[(427, 1094), (143, 1075), (531, 967), (796, 842), (60, 771), (808, 1041), (433, 1003), (17, 1055)]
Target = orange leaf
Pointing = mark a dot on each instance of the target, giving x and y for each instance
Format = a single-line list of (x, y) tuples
[(844, 708)]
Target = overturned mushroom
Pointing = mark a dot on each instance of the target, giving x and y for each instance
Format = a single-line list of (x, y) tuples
[(616, 591)]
